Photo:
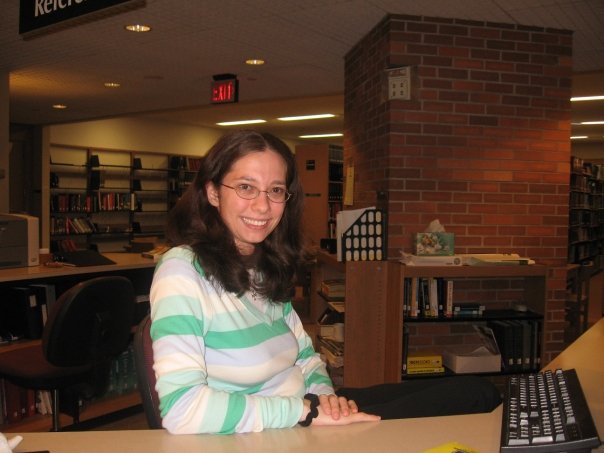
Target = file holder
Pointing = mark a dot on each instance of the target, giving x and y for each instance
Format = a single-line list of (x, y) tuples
[(365, 239)]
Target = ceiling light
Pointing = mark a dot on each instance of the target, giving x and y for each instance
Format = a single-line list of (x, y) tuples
[(577, 137), (138, 28), (587, 98), (254, 61), (339, 134), (112, 85), (59, 106), (306, 117), (237, 123), (591, 122)]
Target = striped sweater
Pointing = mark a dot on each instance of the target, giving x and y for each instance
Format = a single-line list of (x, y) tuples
[(226, 364)]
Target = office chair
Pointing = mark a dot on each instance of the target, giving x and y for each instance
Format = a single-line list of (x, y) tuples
[(143, 359), (87, 327)]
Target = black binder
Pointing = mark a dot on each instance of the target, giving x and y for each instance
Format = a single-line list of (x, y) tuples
[(82, 258)]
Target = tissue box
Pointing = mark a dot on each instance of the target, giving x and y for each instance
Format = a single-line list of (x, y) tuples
[(434, 244), (471, 359)]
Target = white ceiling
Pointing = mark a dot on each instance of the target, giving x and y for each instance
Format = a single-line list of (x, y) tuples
[(168, 71)]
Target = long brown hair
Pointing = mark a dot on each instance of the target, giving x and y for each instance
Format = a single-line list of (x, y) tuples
[(279, 259)]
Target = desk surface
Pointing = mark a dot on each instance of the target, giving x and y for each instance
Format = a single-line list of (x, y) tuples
[(123, 261), (480, 432)]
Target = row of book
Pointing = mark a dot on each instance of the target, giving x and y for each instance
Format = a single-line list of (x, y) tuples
[(71, 225), (101, 201), (185, 163), (427, 297), (18, 403), (519, 342), (332, 351), (432, 297)]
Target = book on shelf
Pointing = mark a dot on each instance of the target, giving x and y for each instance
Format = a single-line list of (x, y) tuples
[(46, 296), (468, 309), (333, 351), (405, 347), (417, 360), (334, 288), (449, 297), (428, 297), (519, 343), (25, 313), (13, 407), (337, 306), (426, 370)]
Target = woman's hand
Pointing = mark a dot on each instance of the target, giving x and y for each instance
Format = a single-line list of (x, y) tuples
[(337, 410)]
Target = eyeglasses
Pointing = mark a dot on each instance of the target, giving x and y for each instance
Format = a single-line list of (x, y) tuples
[(248, 192)]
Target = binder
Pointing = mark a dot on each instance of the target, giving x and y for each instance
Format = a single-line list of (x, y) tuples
[(27, 306), (505, 342), (47, 296)]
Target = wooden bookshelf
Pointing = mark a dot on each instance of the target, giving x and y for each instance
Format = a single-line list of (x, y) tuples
[(105, 198), (375, 318)]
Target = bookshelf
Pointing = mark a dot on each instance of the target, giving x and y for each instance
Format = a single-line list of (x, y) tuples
[(586, 211), (371, 322), (375, 316), (500, 289), (321, 172), (104, 198)]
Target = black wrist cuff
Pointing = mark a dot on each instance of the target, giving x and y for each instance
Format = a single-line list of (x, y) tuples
[(314, 411)]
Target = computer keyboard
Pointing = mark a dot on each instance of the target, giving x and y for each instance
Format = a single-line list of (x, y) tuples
[(546, 412)]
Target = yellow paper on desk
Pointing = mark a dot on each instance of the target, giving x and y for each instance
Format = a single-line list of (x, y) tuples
[(451, 447)]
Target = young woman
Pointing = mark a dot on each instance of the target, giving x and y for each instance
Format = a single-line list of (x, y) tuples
[(230, 353)]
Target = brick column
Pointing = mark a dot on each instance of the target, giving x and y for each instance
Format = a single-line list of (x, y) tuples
[(483, 145)]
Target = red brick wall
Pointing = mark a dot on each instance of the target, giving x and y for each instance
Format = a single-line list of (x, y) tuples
[(483, 145)]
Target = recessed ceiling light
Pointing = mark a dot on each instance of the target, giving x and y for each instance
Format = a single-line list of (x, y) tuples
[(138, 28), (587, 98), (306, 117), (339, 134), (112, 85), (237, 123), (254, 61), (59, 106)]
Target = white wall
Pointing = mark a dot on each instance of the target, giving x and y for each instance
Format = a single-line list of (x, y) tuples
[(590, 151), (132, 134)]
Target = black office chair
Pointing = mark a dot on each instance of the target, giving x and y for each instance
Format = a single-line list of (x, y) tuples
[(143, 359), (87, 327)]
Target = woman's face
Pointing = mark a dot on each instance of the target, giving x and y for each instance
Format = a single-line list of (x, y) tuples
[(250, 221)]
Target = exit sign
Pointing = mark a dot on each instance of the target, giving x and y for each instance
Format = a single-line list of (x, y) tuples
[(225, 90)]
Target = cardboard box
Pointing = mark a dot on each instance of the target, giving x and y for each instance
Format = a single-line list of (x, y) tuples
[(434, 244), (471, 359)]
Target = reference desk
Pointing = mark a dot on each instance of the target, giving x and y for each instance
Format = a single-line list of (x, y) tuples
[(480, 432)]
